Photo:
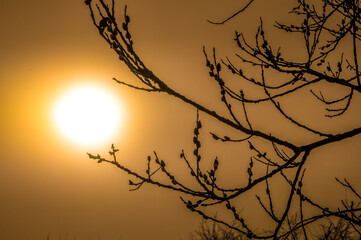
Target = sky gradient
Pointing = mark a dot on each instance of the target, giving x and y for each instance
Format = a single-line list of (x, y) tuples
[(49, 186)]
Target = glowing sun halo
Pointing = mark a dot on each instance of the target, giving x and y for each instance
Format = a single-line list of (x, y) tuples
[(87, 115)]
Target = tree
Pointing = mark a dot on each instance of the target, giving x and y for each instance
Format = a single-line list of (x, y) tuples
[(341, 229), (329, 30), (214, 231), (335, 230)]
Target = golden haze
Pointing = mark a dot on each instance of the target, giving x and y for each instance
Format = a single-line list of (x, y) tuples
[(48, 185)]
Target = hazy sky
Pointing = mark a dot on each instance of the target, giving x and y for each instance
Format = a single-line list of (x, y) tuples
[(47, 184)]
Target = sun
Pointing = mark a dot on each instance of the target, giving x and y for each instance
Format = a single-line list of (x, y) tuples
[(88, 115)]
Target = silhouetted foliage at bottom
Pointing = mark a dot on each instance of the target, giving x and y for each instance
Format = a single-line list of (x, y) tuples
[(332, 229), (209, 230), (340, 229)]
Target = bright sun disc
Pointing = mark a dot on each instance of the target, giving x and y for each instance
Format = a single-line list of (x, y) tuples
[(87, 115)]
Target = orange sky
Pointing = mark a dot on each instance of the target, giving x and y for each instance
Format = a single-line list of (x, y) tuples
[(48, 185)]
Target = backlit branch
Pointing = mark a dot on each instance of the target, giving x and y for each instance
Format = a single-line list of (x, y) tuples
[(325, 27)]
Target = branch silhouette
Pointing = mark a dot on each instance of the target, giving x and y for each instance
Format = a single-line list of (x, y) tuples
[(323, 27)]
